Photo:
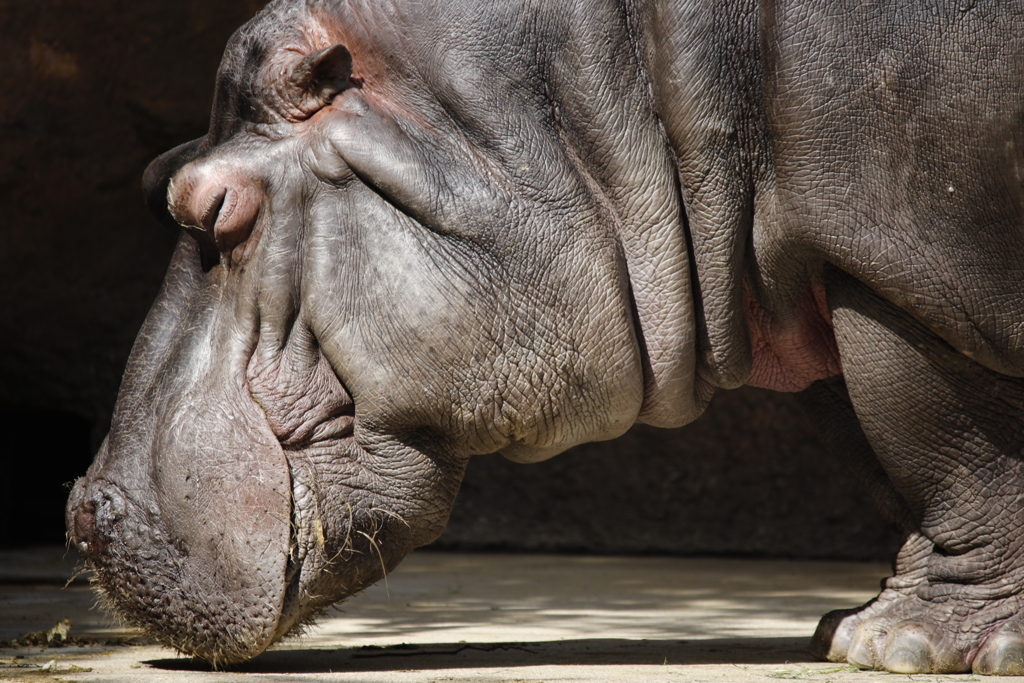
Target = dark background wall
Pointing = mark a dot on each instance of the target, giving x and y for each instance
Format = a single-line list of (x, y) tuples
[(91, 90), (750, 477)]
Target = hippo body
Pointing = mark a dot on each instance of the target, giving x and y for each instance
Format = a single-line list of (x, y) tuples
[(417, 232)]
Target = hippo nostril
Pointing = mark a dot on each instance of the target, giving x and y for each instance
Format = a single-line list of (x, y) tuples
[(217, 201), (214, 208), (236, 215), (85, 526), (93, 515)]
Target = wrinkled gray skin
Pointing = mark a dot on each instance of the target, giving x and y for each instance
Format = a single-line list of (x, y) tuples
[(519, 226)]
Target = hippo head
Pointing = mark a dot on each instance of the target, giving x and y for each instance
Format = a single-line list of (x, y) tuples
[(394, 255)]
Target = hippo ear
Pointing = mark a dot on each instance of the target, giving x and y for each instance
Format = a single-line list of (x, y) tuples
[(319, 77)]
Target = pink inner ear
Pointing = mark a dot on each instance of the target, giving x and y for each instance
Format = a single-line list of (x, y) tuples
[(318, 78)]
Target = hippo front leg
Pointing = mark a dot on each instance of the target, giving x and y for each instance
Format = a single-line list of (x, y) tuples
[(949, 434), (827, 403)]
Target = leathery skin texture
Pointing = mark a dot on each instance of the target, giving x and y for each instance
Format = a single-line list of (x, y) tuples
[(417, 231)]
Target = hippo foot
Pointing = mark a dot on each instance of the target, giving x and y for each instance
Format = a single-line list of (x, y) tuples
[(907, 634), (921, 625)]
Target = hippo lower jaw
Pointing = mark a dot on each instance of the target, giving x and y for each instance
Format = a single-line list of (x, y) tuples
[(149, 580)]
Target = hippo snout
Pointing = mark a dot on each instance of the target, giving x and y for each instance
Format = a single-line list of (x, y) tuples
[(93, 512), (181, 584)]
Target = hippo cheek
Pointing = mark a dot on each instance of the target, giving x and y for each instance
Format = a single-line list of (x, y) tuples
[(355, 519), (198, 555)]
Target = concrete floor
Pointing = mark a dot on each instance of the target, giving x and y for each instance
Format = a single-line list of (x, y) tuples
[(486, 617)]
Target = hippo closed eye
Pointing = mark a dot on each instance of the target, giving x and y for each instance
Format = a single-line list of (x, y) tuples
[(416, 232)]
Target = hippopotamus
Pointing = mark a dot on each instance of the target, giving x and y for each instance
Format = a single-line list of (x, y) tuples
[(420, 231)]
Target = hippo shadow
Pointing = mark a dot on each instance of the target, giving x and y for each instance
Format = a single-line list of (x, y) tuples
[(463, 655)]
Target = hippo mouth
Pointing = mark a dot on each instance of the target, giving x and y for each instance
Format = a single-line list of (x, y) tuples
[(345, 528), (314, 432), (306, 556)]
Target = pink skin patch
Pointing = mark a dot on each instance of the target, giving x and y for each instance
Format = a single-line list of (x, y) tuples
[(790, 355)]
